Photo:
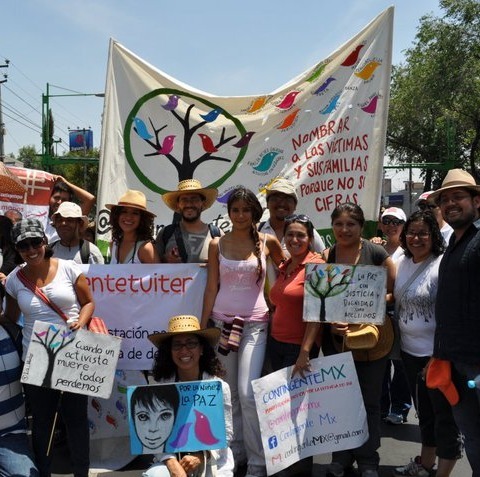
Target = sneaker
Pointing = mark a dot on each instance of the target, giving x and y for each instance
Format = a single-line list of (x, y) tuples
[(394, 419), (413, 469)]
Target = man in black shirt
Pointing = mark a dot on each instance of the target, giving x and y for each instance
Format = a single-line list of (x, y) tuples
[(457, 336)]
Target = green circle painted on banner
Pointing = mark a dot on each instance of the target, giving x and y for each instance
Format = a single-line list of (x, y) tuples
[(184, 167)]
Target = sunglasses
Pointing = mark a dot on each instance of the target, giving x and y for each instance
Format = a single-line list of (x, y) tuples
[(426, 206), (29, 243), (298, 218), (188, 344), (396, 222)]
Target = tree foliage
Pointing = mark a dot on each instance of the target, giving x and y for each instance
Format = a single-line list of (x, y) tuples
[(434, 112), (28, 155)]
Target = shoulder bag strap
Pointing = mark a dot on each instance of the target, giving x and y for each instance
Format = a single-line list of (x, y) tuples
[(410, 280), (36, 291)]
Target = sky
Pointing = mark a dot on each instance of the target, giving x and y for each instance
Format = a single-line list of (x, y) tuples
[(221, 47)]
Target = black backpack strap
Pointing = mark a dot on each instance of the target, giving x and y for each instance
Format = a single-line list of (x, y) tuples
[(214, 231), (167, 232), (85, 251), (181, 246)]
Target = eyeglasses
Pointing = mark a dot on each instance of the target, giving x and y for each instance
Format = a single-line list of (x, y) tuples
[(424, 206), (420, 235), (388, 221), (29, 243), (188, 344)]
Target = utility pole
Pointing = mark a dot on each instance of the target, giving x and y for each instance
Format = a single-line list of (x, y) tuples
[(2, 125)]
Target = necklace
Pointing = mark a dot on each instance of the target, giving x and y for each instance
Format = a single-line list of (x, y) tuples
[(133, 253)]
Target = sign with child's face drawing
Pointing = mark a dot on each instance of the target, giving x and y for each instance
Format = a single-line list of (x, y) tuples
[(345, 293), (75, 361), (176, 417)]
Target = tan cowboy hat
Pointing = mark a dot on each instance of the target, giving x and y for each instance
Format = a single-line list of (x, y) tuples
[(132, 198), (190, 186), (185, 324), (456, 178)]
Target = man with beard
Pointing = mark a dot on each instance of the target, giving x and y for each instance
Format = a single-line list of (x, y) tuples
[(282, 202), (457, 310), (187, 239)]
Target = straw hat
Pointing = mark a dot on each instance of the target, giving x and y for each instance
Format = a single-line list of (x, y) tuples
[(190, 186), (185, 324), (132, 198), (70, 210), (368, 342), (456, 178)]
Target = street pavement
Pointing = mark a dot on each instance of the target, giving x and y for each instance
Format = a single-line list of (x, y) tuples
[(399, 444)]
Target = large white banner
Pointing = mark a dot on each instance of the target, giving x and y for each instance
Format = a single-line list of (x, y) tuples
[(138, 300), (325, 130), (321, 413)]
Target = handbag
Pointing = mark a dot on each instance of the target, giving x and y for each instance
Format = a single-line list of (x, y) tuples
[(95, 324)]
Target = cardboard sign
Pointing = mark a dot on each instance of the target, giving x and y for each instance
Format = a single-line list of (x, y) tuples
[(321, 413), (176, 417), (345, 293), (75, 361)]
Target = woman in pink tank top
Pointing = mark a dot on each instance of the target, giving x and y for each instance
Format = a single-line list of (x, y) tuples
[(234, 301)]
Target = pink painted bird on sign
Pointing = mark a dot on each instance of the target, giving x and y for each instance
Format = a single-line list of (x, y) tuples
[(288, 100), (167, 145)]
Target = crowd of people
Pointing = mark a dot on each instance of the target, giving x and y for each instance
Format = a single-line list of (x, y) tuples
[(252, 320)]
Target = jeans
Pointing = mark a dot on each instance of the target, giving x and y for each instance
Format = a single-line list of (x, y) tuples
[(43, 404), (242, 367), (395, 391), (16, 457), (467, 412)]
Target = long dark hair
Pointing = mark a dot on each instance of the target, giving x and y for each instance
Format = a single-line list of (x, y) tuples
[(144, 230), (427, 217), (242, 193), (164, 367)]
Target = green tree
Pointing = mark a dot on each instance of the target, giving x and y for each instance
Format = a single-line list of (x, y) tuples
[(28, 155), (435, 95)]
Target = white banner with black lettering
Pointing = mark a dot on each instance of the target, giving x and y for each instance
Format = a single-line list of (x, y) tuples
[(321, 413)]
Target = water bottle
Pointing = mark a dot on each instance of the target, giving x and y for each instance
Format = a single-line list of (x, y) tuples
[(474, 383)]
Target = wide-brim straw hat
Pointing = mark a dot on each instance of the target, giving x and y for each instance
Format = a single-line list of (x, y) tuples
[(456, 178), (182, 325), (190, 186), (132, 198)]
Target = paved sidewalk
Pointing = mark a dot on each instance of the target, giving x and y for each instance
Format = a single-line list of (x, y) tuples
[(399, 444)]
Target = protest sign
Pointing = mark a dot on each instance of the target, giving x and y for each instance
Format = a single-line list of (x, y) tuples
[(176, 417), (321, 413), (345, 293), (138, 300), (324, 130), (76, 361)]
